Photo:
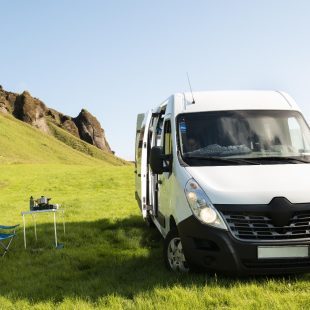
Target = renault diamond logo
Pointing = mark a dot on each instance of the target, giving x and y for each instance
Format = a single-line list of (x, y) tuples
[(281, 211)]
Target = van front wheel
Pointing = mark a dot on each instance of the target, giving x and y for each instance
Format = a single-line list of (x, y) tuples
[(173, 252)]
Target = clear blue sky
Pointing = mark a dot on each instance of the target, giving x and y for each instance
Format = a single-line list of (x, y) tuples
[(119, 58)]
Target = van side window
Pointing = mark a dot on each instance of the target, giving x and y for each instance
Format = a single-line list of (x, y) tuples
[(140, 142), (167, 138)]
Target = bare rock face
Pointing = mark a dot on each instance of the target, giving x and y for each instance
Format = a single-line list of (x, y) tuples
[(4, 106), (7, 100), (70, 126), (54, 115), (90, 130), (31, 111), (34, 112)]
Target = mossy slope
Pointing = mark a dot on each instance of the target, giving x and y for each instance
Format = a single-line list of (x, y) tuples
[(21, 143)]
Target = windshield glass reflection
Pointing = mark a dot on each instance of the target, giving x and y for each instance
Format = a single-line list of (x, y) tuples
[(243, 134)]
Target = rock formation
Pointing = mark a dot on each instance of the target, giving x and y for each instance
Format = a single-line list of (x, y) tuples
[(7, 100), (90, 130), (34, 112), (31, 111)]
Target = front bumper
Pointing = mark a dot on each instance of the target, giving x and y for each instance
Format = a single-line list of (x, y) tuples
[(217, 250)]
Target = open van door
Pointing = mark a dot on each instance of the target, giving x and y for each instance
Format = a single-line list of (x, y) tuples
[(144, 163), (138, 152)]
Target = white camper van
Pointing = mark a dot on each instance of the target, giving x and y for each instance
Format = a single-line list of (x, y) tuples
[(225, 177)]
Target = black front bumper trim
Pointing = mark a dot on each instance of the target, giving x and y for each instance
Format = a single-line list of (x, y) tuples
[(217, 250)]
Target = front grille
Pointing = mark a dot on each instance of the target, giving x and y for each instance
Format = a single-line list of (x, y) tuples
[(260, 227)]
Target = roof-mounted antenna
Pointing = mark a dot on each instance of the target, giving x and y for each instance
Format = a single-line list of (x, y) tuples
[(190, 86)]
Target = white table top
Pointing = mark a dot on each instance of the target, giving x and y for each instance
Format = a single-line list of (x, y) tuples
[(42, 211)]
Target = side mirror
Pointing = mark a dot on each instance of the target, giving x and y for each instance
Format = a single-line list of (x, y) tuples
[(157, 160)]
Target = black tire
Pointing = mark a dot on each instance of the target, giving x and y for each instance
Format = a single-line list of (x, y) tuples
[(173, 252)]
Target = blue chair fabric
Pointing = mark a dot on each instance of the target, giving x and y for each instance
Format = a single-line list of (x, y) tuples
[(7, 237)]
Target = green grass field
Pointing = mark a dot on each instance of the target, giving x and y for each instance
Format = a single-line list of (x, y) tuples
[(21, 143), (110, 258)]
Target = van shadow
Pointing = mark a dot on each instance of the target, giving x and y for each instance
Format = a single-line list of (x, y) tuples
[(99, 258)]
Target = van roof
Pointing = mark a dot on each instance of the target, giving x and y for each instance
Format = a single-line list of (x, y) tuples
[(233, 100)]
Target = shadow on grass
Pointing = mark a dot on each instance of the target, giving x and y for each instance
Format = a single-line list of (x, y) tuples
[(99, 258)]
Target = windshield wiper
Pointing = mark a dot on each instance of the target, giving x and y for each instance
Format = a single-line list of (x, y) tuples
[(223, 159), (288, 158)]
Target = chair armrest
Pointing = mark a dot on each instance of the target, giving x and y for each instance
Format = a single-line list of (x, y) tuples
[(8, 227)]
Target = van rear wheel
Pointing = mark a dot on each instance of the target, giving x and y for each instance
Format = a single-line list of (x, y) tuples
[(173, 252)]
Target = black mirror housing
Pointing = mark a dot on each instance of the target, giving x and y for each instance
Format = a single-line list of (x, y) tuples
[(157, 160)]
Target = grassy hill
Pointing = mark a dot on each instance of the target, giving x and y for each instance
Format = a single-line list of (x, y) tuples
[(110, 259), (82, 146), (21, 143)]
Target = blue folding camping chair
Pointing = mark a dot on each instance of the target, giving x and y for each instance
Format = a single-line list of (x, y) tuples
[(7, 238)]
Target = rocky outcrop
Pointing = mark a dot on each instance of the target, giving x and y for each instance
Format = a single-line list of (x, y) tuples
[(31, 111), (63, 121), (90, 130), (7, 100), (70, 126), (34, 112)]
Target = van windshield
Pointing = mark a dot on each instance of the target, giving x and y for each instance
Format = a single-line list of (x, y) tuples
[(243, 137)]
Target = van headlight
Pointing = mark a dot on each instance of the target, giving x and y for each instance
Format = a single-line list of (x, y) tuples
[(202, 206)]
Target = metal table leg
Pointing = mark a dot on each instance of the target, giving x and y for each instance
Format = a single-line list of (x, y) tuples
[(55, 229), (34, 219), (64, 223), (24, 221)]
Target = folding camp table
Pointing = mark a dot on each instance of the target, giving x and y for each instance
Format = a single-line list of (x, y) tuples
[(35, 213)]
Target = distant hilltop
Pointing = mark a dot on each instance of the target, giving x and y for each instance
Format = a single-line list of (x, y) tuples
[(34, 112)]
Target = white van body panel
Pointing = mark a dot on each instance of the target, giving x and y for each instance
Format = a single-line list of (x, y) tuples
[(234, 100), (181, 213), (257, 184), (144, 170), (140, 118)]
